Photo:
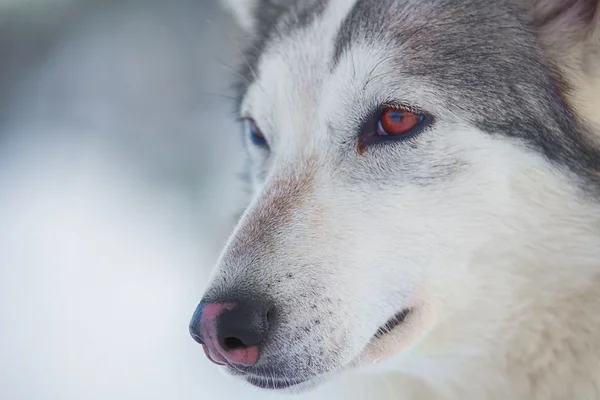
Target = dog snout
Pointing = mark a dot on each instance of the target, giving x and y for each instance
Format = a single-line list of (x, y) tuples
[(232, 332)]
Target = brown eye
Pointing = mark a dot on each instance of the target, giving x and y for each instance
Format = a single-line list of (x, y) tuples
[(397, 121), (391, 123)]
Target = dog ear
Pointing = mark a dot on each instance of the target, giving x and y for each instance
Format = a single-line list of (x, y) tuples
[(243, 11), (575, 16), (569, 34), (566, 26), (249, 12)]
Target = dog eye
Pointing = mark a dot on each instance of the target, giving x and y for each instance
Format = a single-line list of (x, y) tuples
[(397, 121), (391, 122), (256, 135)]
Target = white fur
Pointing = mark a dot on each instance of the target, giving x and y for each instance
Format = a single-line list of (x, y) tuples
[(499, 261)]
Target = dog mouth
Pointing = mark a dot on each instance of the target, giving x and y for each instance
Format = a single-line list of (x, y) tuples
[(281, 383), (392, 323), (275, 383), (270, 381)]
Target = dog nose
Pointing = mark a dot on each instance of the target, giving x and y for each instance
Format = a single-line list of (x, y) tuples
[(231, 332)]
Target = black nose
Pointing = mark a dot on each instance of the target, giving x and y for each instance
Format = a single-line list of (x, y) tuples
[(232, 331)]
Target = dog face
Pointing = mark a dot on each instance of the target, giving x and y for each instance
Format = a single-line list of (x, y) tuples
[(391, 144)]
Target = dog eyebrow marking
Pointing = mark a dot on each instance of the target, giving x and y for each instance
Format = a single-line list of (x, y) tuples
[(365, 16)]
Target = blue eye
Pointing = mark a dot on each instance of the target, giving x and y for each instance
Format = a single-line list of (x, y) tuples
[(256, 135)]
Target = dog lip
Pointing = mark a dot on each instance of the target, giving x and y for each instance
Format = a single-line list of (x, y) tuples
[(273, 383), (392, 323), (267, 382)]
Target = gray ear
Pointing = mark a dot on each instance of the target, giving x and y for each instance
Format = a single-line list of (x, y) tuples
[(249, 12), (243, 11), (568, 26), (569, 33), (575, 16)]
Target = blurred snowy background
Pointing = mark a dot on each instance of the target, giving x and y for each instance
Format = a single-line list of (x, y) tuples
[(118, 185)]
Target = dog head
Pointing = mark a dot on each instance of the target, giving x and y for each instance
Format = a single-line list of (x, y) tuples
[(395, 146)]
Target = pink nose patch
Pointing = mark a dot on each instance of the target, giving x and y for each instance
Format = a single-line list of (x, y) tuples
[(216, 348)]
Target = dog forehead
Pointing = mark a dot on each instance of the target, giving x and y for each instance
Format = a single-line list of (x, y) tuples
[(443, 40), (288, 77), (306, 43), (316, 49)]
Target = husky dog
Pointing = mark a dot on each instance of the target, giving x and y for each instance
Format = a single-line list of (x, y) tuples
[(426, 199)]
